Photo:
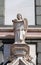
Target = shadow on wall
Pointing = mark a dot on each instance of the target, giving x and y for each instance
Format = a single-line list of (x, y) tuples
[(9, 39), (7, 62), (1, 63)]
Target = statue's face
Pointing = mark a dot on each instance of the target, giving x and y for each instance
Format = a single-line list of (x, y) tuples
[(19, 16)]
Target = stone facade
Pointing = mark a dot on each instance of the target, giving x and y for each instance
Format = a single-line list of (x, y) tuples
[(38, 12), (38, 21), (1, 12)]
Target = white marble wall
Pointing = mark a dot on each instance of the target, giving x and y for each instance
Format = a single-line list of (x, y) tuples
[(33, 52), (25, 7)]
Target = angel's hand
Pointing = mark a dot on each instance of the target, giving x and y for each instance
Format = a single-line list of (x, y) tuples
[(14, 20)]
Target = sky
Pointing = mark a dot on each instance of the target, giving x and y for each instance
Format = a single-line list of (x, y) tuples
[(25, 7)]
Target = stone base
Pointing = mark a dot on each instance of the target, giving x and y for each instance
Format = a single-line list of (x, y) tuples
[(19, 50), (20, 42), (20, 61)]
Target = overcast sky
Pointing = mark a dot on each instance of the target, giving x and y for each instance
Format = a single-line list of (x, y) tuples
[(25, 7)]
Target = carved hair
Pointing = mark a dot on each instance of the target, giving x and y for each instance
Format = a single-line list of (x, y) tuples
[(19, 15)]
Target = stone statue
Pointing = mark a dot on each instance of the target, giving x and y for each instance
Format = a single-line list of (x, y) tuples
[(20, 28), (20, 51)]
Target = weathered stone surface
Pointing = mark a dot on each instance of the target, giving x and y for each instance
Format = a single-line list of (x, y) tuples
[(39, 47), (37, 2), (1, 7), (1, 20), (38, 20), (39, 58)]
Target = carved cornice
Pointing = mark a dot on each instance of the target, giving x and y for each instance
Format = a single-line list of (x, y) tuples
[(10, 29), (32, 33)]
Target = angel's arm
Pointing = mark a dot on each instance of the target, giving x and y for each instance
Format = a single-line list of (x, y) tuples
[(14, 22)]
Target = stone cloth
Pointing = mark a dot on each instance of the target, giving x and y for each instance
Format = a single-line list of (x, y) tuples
[(19, 30)]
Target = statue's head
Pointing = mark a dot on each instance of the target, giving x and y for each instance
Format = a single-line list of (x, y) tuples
[(19, 16)]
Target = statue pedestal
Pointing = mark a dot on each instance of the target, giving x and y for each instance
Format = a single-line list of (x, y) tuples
[(19, 50)]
